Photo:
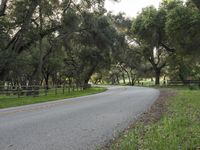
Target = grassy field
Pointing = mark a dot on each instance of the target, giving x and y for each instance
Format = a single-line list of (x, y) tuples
[(178, 128), (6, 101)]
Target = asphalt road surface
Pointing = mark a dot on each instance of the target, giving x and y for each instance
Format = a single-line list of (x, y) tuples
[(84, 123)]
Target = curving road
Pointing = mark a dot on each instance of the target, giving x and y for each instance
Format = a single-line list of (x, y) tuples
[(84, 123)]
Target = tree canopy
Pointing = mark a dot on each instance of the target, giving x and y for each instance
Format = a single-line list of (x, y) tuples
[(52, 41)]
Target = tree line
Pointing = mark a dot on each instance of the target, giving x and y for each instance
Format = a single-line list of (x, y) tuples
[(53, 41)]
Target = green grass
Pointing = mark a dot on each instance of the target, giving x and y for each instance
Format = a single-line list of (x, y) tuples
[(11, 101), (178, 129)]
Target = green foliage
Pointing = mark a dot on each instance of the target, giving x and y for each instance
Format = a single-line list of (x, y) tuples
[(193, 87), (89, 51), (70, 20), (197, 3), (50, 37), (144, 26), (77, 38), (182, 27)]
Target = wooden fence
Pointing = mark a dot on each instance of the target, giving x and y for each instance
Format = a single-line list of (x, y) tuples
[(186, 82), (35, 90)]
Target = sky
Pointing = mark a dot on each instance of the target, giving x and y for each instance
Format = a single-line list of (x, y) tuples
[(130, 7)]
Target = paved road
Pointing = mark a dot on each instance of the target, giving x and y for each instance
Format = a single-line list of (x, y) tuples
[(75, 124)]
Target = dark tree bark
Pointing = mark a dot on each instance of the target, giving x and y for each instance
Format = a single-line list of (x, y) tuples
[(157, 75), (157, 70), (117, 78), (46, 78), (88, 76), (167, 48), (133, 78), (128, 75), (3, 6)]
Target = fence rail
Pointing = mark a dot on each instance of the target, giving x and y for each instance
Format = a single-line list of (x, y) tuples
[(35, 90), (186, 82)]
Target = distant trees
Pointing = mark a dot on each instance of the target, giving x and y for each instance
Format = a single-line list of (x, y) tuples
[(164, 40), (171, 31)]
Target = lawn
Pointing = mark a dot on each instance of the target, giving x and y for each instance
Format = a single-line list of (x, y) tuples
[(178, 128), (10, 101)]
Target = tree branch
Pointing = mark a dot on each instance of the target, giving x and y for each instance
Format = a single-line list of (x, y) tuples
[(197, 3), (3, 6), (67, 7), (167, 48)]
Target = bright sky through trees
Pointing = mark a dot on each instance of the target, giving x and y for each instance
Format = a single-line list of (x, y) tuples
[(130, 7)]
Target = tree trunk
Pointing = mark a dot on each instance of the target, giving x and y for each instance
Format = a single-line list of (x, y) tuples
[(132, 78), (157, 70), (123, 77), (86, 85), (113, 79), (157, 75), (117, 77), (129, 78), (182, 78), (88, 76), (128, 75), (47, 81), (132, 82), (3, 5)]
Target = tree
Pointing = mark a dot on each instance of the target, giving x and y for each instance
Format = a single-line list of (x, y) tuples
[(89, 50), (22, 21), (53, 60), (183, 29), (148, 32), (25, 25)]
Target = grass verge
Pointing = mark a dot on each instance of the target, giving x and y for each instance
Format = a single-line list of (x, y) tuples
[(176, 128), (12, 102)]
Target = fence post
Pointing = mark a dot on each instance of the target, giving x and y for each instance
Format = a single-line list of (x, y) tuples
[(32, 90), (18, 94), (56, 92), (68, 88), (7, 91), (64, 88), (77, 87), (80, 86), (46, 90)]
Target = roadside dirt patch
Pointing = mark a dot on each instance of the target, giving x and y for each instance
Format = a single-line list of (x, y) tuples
[(152, 115), (158, 108)]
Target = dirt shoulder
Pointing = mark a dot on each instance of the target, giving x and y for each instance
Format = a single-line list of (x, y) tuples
[(158, 108)]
